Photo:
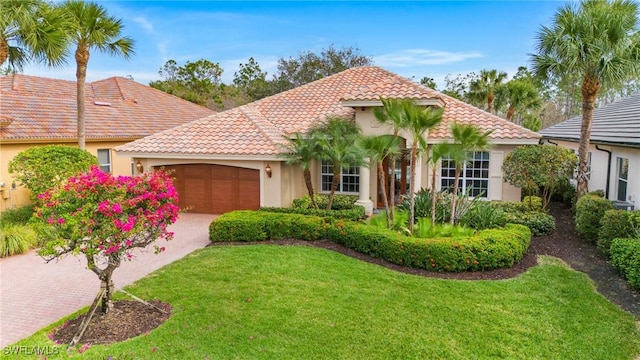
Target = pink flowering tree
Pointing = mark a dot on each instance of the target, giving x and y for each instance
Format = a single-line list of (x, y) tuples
[(104, 218)]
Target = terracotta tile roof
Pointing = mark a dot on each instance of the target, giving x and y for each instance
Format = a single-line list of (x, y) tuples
[(257, 128), (45, 109)]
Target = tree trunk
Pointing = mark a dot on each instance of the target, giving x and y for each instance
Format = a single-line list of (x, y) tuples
[(334, 186), (510, 112), (392, 187), (433, 194), (4, 50), (382, 180), (590, 89), (490, 102), (412, 195), (454, 196), (82, 59), (106, 304), (309, 184)]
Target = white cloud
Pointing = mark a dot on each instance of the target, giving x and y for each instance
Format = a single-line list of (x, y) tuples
[(144, 23), (412, 57)]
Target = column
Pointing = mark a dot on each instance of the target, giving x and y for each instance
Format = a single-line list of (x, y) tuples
[(365, 189)]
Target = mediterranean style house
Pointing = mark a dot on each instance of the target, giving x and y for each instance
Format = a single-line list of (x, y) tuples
[(614, 150), (37, 111), (230, 160)]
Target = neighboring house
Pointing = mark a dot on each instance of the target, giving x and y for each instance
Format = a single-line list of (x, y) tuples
[(614, 150), (230, 161), (38, 111)]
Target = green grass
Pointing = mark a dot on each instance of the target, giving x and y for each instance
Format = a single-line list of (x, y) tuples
[(275, 302)]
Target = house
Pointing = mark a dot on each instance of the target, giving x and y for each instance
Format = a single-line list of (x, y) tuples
[(614, 150), (229, 160), (40, 111)]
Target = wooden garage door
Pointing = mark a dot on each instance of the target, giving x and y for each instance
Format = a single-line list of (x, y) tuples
[(216, 189)]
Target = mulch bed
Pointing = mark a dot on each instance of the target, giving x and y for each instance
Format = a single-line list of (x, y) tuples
[(132, 318)]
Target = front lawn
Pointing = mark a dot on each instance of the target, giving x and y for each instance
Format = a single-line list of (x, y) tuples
[(275, 302)]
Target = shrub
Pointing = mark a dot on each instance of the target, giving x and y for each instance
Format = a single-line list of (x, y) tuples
[(625, 257), (249, 225), (616, 224), (400, 221), (589, 210), (17, 216), (354, 214), (532, 203), (443, 205), (540, 223), (426, 230), (598, 193), (565, 193), (484, 216), (16, 239), (340, 202)]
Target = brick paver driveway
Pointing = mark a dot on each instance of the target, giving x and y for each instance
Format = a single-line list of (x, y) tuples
[(34, 294)]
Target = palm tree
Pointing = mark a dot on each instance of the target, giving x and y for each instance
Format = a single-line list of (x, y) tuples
[(517, 95), (31, 29), (466, 138), (392, 114), (438, 151), (420, 120), (597, 41), (338, 143), (483, 89), (378, 148), (303, 150), (92, 28)]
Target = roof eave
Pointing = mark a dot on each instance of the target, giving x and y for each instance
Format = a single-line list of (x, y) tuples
[(156, 155), (377, 103), (595, 142)]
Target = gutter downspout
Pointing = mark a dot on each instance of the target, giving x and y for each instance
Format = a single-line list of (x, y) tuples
[(606, 192)]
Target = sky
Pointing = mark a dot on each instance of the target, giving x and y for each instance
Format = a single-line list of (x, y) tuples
[(414, 39)]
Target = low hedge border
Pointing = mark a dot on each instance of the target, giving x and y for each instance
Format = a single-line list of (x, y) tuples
[(488, 249), (625, 257), (355, 214)]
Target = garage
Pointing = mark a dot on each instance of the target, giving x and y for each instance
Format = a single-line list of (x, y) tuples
[(216, 189)]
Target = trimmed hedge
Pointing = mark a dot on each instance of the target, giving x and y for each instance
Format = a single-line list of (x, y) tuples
[(616, 224), (589, 210), (488, 249), (354, 214), (625, 257), (340, 202), (540, 223)]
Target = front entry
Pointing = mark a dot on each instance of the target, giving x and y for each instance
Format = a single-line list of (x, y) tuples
[(400, 174)]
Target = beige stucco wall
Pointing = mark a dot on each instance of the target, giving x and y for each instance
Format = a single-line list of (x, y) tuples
[(20, 196)]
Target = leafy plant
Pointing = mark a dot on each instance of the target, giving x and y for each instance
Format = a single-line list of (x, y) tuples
[(540, 223), (16, 239), (616, 224), (17, 216), (484, 215), (590, 210), (426, 230), (399, 223), (340, 202), (625, 257)]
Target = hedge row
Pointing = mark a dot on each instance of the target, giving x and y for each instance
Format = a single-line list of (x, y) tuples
[(354, 214), (625, 257), (488, 249), (589, 210)]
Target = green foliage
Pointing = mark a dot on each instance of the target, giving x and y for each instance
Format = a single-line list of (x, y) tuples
[(17, 216), (565, 192), (484, 215), (539, 167), (246, 225), (197, 82), (540, 223), (16, 239), (533, 203), (617, 224), (340, 202), (354, 214), (625, 257), (42, 167), (598, 193), (423, 205), (399, 223), (590, 209), (425, 230)]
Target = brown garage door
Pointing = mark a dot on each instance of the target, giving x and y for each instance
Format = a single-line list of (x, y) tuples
[(216, 189)]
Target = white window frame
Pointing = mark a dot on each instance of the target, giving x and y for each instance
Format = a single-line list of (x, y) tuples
[(326, 176), (447, 167), (106, 167), (620, 179)]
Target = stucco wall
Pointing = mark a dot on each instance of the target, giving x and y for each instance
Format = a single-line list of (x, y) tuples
[(20, 196)]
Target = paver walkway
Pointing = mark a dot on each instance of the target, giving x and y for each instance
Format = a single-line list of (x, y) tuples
[(33, 294)]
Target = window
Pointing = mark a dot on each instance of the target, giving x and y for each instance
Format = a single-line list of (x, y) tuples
[(623, 177), (474, 177), (349, 178), (104, 159)]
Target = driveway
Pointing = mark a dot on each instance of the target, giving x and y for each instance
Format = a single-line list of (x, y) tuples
[(33, 294)]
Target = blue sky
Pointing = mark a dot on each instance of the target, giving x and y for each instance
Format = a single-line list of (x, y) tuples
[(413, 39)]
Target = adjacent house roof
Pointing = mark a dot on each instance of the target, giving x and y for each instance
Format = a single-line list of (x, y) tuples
[(617, 123), (41, 109), (258, 128)]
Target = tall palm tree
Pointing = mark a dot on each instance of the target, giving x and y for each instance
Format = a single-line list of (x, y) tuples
[(92, 28), (420, 120), (31, 29), (338, 143), (303, 150), (378, 148), (484, 88), (466, 138), (597, 41), (392, 115), (517, 95)]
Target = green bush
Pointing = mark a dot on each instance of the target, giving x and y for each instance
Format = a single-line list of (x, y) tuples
[(340, 202), (598, 193), (16, 239), (589, 210), (616, 224), (399, 223), (540, 223), (565, 193), (246, 225), (17, 216), (426, 230), (484, 216), (354, 214), (532, 203), (625, 257)]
